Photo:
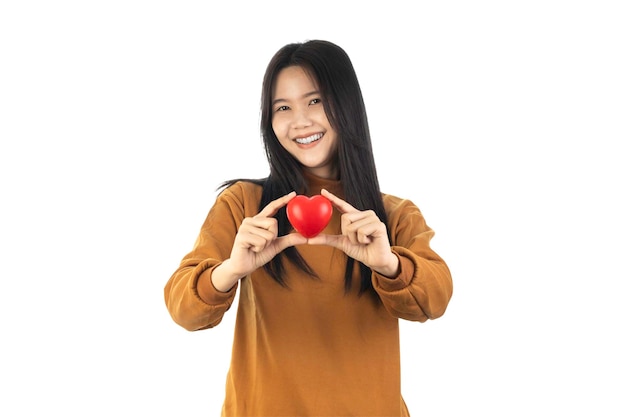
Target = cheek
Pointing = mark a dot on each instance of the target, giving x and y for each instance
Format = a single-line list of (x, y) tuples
[(280, 129), (320, 116)]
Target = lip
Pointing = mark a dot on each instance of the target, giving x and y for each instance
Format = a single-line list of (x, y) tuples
[(312, 138)]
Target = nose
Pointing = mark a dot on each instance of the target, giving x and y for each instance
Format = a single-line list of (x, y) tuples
[(301, 118)]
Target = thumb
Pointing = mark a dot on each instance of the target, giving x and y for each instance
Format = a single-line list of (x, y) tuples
[(324, 239), (291, 239)]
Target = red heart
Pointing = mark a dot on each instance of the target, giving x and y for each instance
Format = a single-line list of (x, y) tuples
[(309, 215)]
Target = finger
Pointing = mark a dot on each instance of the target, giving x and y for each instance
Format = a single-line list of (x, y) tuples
[(342, 205), (273, 207), (324, 239), (253, 242), (365, 234), (359, 217), (264, 223), (265, 228), (358, 220), (267, 235), (291, 239), (364, 230)]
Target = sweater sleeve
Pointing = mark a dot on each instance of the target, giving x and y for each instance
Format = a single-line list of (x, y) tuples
[(212, 246), (423, 287)]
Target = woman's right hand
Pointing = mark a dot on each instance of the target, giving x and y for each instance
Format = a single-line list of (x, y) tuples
[(256, 243)]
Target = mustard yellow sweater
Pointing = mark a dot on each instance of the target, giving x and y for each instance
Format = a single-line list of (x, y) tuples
[(311, 349)]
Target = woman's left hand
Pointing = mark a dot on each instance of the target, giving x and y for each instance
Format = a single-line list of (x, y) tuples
[(363, 237)]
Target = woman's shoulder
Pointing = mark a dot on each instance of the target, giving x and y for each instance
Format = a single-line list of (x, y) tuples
[(403, 218), (394, 201), (395, 205), (242, 189), (242, 193)]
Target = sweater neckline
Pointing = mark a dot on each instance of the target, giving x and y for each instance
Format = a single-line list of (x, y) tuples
[(316, 184)]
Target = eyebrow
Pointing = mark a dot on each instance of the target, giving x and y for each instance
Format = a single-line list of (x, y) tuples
[(309, 94)]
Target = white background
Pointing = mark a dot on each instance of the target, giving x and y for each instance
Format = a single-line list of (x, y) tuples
[(503, 121)]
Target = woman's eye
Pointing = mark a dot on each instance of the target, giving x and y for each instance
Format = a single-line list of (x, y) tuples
[(282, 108), (316, 101)]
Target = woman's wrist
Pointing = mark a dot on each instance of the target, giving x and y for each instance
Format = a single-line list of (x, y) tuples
[(391, 269), (222, 278)]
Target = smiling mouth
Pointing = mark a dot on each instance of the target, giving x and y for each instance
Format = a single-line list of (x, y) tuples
[(309, 139)]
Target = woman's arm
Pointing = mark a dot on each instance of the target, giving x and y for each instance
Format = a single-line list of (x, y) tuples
[(423, 286)]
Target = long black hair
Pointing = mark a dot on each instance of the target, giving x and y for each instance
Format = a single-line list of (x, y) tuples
[(343, 103)]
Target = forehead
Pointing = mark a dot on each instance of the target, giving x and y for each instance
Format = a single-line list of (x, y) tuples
[(294, 79)]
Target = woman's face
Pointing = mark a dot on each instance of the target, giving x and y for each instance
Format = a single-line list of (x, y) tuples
[(300, 123)]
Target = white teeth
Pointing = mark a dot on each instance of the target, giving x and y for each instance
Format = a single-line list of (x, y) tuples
[(312, 138)]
